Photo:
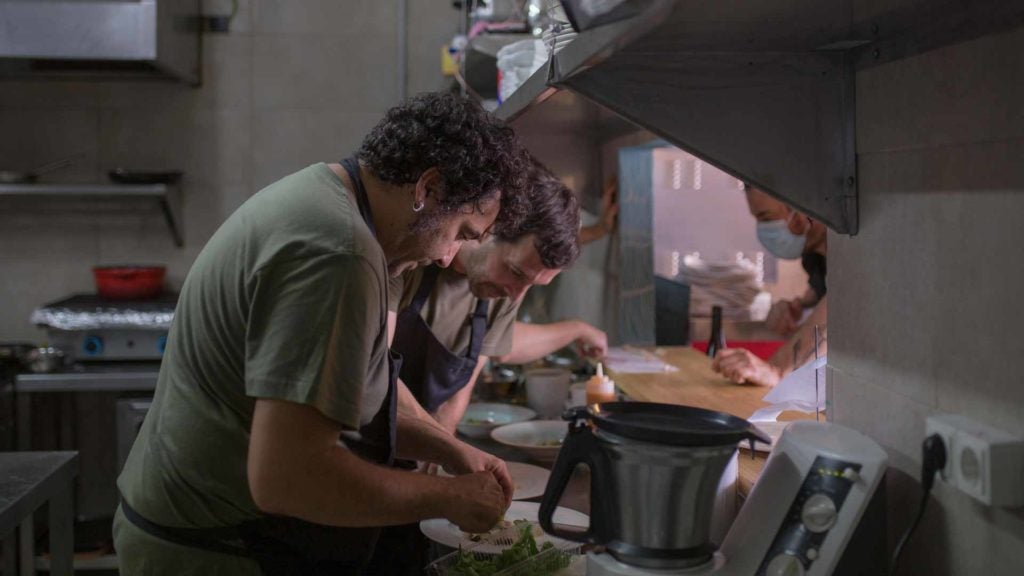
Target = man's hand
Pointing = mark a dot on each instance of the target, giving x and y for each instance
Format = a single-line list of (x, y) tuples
[(478, 502), (743, 367), (467, 460), (592, 342), (784, 317)]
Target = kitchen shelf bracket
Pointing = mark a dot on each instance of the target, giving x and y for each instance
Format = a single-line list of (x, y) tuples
[(166, 196)]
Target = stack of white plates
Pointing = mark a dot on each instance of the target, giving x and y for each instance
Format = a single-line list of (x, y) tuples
[(559, 35)]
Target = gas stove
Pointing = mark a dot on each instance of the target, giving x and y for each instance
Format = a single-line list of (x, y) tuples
[(89, 328)]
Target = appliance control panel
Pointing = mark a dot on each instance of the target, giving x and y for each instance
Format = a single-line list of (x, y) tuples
[(812, 514), (112, 344)]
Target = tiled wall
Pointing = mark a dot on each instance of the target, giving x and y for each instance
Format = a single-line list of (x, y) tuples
[(294, 82), (925, 301)]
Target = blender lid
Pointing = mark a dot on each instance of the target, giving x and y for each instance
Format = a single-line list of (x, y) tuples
[(672, 424)]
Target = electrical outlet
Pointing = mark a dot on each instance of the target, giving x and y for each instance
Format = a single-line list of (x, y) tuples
[(981, 461), (939, 425)]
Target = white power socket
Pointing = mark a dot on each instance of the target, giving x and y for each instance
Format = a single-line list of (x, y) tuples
[(981, 461)]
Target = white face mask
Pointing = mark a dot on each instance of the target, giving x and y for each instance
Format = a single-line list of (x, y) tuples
[(777, 239)]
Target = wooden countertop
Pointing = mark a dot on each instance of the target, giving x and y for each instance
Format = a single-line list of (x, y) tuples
[(695, 384)]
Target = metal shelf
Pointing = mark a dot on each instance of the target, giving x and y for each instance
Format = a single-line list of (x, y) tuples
[(763, 91), (167, 197)]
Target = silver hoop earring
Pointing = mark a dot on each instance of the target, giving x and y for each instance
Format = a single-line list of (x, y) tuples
[(417, 206)]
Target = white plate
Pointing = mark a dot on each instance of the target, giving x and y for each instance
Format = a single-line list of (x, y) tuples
[(480, 418), (534, 438), (529, 480), (444, 532)]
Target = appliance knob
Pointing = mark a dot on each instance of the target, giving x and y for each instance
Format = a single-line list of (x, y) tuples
[(92, 345), (812, 554), (785, 565), (819, 513), (852, 475)]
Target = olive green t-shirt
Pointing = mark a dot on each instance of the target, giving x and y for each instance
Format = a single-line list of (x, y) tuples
[(286, 301), (448, 310)]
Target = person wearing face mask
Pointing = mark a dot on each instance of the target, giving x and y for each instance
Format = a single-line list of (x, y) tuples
[(788, 234), (277, 416)]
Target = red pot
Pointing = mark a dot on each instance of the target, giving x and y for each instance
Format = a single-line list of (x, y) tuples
[(129, 282)]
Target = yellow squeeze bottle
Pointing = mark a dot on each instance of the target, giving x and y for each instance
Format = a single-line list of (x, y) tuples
[(600, 388)]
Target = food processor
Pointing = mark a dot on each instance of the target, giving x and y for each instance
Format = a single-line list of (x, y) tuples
[(654, 472)]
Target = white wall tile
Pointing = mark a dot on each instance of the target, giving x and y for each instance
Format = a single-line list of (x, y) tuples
[(924, 300), (226, 81), (37, 136), (351, 73), (328, 17), (285, 141), (896, 422), (210, 146), (968, 92)]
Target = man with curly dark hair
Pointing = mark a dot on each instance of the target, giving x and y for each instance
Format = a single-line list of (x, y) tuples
[(446, 322), (279, 348), (467, 312), (470, 156)]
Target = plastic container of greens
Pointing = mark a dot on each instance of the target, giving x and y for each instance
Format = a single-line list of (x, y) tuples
[(520, 559)]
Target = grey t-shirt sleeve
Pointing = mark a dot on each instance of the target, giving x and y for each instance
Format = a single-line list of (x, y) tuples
[(498, 340), (395, 287), (316, 334)]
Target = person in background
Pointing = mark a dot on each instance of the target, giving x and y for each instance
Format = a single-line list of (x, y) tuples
[(787, 234), (609, 214), (269, 444), (466, 313), (446, 322), (790, 234)]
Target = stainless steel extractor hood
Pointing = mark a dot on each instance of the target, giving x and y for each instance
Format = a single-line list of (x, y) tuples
[(101, 38)]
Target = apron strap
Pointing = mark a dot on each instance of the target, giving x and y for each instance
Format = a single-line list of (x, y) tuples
[(478, 329), (351, 166), (211, 539), (427, 282)]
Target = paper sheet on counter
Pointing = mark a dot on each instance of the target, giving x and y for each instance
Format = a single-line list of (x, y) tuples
[(625, 360), (796, 392)]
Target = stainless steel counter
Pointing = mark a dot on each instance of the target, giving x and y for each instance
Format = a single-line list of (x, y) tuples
[(27, 480)]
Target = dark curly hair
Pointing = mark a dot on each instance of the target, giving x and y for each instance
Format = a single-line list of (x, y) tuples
[(553, 216), (478, 156)]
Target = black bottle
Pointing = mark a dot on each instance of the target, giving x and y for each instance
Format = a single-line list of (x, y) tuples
[(717, 340)]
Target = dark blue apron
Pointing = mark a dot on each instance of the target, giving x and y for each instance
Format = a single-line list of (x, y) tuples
[(431, 371), (433, 374), (288, 546)]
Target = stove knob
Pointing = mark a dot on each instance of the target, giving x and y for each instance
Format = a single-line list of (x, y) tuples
[(819, 513), (785, 565), (92, 345)]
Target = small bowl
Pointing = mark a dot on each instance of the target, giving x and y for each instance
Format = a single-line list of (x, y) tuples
[(481, 418), (539, 439), (42, 360)]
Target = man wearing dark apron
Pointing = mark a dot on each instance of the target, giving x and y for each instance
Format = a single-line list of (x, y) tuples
[(458, 316), (279, 345)]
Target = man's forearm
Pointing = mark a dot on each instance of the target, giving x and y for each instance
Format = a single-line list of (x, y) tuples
[(297, 468), (801, 344), (534, 341), (420, 436), (452, 410)]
